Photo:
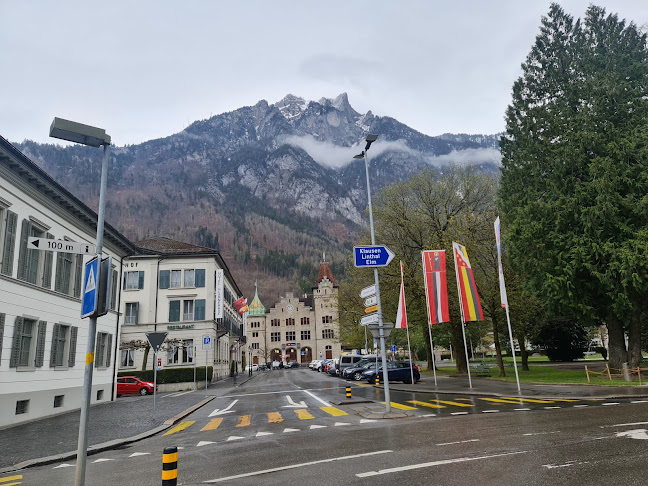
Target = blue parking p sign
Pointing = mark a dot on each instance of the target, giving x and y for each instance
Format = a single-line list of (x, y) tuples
[(90, 288)]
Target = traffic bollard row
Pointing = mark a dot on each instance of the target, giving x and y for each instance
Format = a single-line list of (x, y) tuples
[(170, 466)]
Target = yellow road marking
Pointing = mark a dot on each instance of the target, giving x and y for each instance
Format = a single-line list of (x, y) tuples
[(464, 399), (399, 406), (274, 418), (180, 426), (530, 400), (212, 424), (456, 404), (563, 400), (497, 400), (244, 420), (11, 484), (362, 384), (10, 478), (336, 412), (304, 414), (425, 404)]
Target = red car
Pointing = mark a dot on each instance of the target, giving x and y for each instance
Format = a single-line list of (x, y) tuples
[(127, 385)]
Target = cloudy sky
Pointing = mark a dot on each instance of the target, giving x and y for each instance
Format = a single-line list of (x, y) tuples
[(146, 69)]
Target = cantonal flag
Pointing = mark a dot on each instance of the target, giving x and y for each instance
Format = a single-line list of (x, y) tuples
[(401, 315), (469, 298), (243, 309), (239, 303), (436, 289)]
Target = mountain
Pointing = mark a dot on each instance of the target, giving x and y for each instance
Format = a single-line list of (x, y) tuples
[(273, 186)]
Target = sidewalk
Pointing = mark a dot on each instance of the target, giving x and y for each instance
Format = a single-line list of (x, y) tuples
[(454, 385), (111, 424)]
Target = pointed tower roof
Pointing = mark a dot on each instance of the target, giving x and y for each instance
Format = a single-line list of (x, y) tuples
[(256, 307), (325, 271)]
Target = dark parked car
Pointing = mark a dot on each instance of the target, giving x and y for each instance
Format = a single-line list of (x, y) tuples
[(128, 385), (397, 371), (292, 364), (355, 373)]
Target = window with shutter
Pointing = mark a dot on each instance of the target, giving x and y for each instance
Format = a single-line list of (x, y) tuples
[(55, 333), (200, 310), (114, 289), (9, 244), (140, 283), (164, 279), (100, 349), (40, 344), (74, 331), (17, 341), (2, 324), (47, 266), (174, 311), (22, 253), (78, 272), (108, 350), (200, 277)]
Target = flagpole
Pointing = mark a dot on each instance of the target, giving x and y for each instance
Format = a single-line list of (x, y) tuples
[(409, 348), (517, 378), (432, 349), (463, 331)]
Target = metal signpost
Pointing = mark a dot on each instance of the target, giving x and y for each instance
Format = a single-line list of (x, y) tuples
[(155, 339), (206, 345)]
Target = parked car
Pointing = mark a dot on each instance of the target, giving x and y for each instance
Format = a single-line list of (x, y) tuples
[(332, 367), (292, 364), (397, 371), (355, 372), (254, 367), (351, 360), (322, 365), (276, 365), (130, 385), (314, 364)]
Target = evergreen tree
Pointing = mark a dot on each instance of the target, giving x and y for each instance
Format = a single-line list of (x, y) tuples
[(574, 180)]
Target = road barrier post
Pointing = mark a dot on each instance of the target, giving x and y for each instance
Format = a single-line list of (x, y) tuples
[(170, 466), (377, 381), (348, 392)]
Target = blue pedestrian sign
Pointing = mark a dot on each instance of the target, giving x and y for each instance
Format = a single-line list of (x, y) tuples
[(90, 288), (372, 256)]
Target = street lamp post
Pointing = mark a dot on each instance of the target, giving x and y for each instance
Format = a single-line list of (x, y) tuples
[(93, 137), (363, 155), (250, 364)]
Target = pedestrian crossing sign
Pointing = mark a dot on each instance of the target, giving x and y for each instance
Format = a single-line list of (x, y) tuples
[(90, 293)]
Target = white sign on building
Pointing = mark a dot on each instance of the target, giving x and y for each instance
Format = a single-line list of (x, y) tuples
[(218, 295)]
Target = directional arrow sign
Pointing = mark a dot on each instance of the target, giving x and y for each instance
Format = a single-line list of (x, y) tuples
[(370, 301), (293, 404), (372, 256), (368, 292), (634, 434), (63, 246), (225, 410), (370, 319), (371, 309)]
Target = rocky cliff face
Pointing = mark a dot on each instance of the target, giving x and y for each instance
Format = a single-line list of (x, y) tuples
[(260, 181)]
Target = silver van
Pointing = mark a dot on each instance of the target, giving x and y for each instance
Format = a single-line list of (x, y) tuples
[(349, 360)]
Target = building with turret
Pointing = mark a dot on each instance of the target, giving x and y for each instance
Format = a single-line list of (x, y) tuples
[(297, 328)]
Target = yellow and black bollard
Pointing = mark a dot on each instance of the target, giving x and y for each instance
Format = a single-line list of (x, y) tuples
[(170, 466), (348, 392), (377, 381)]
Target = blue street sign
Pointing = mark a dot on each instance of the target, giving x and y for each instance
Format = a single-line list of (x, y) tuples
[(372, 256), (393, 348), (90, 288)]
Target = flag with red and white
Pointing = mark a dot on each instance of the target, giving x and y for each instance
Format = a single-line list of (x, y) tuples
[(436, 288), (239, 303), (469, 298), (401, 315)]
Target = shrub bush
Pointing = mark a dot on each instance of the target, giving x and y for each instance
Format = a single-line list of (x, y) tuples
[(172, 375)]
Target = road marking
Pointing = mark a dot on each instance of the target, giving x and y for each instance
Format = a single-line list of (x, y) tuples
[(458, 442), (634, 434), (563, 400), (339, 424), (295, 466), (425, 404), (62, 465), (336, 412), (627, 425), (225, 410), (212, 424), (611, 403), (530, 400), (490, 411), (429, 415), (317, 427), (399, 406), (304, 414), (567, 464), (10, 478), (278, 392), (498, 400), (459, 413), (326, 404), (521, 409), (456, 404), (180, 426), (542, 433), (550, 408), (234, 437), (275, 418), (580, 406), (102, 460), (244, 420), (204, 443), (261, 434), (135, 454), (291, 403), (291, 430), (639, 401), (366, 421), (434, 463)]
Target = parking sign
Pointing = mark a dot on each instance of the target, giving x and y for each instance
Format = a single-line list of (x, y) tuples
[(207, 342)]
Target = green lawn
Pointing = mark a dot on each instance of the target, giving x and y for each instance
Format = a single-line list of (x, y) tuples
[(547, 374)]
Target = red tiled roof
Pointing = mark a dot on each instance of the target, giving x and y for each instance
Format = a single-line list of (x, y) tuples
[(325, 271)]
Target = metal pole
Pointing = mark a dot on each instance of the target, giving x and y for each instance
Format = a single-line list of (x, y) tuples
[(82, 445), (429, 323), (154, 379), (517, 378), (195, 360), (366, 343), (463, 331), (380, 317), (206, 361)]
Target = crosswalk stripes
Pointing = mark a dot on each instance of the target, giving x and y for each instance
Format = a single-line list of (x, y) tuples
[(244, 420), (11, 480), (212, 424)]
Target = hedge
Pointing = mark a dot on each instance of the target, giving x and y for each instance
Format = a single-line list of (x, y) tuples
[(172, 375)]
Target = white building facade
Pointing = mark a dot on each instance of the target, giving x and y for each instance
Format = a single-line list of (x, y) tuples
[(42, 336), (173, 287)]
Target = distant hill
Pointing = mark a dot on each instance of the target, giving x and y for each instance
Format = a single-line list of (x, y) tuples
[(272, 186)]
